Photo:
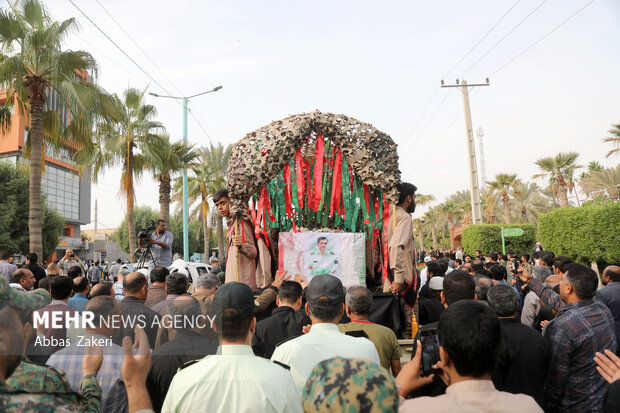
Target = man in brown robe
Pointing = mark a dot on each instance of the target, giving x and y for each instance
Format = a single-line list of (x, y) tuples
[(241, 256), (401, 254)]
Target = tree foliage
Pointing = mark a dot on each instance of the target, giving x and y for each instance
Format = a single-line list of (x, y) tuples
[(14, 214), (487, 238), (586, 234)]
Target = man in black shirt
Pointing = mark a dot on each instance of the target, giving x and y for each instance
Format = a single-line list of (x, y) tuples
[(523, 359), (186, 346), (132, 305), (285, 322), (31, 264)]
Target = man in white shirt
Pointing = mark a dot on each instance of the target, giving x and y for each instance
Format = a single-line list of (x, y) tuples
[(325, 306), (235, 380)]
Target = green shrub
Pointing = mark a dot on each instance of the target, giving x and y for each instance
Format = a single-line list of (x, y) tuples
[(586, 234), (488, 238)]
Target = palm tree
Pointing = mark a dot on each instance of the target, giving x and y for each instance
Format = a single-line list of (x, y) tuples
[(165, 158), (462, 202), (528, 202), (489, 200), (118, 141), (430, 219), (559, 170), (606, 180), (216, 156), (614, 140), (417, 228), (201, 186), (33, 69), (502, 185)]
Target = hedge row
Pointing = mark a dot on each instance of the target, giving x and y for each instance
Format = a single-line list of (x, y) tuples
[(488, 238), (585, 234)]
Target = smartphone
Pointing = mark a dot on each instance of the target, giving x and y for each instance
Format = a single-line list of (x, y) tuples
[(430, 352), (71, 255)]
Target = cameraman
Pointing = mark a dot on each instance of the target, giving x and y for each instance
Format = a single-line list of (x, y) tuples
[(70, 260), (161, 245)]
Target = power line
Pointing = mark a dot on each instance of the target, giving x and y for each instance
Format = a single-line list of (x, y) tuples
[(446, 75), (542, 38), (192, 106), (481, 40), (138, 46), (413, 141), (504, 38), (201, 127), (432, 148), (135, 63), (119, 48)]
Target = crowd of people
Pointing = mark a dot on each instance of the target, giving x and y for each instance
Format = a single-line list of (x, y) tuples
[(491, 333)]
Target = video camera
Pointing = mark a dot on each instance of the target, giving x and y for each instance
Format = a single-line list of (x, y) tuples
[(145, 234)]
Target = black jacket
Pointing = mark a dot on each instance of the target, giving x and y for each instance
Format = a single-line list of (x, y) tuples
[(38, 272), (523, 360), (284, 323), (135, 308), (430, 310), (167, 358)]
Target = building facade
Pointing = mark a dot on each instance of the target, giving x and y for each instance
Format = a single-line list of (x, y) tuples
[(64, 188)]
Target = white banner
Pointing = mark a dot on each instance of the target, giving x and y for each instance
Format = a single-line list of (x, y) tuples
[(342, 255)]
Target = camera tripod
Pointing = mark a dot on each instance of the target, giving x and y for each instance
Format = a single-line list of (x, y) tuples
[(145, 258)]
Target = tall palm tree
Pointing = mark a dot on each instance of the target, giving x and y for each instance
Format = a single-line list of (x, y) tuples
[(604, 181), (216, 157), (462, 202), (123, 143), (201, 186), (502, 186), (489, 200), (430, 219), (417, 226), (165, 158), (528, 202), (614, 139), (559, 170), (34, 67)]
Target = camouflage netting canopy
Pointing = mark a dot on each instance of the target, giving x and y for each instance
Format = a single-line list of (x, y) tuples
[(261, 155)]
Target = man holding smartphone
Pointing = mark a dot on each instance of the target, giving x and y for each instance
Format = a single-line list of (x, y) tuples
[(70, 260)]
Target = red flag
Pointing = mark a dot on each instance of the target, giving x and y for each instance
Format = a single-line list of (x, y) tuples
[(287, 191), (299, 169), (336, 186), (317, 178)]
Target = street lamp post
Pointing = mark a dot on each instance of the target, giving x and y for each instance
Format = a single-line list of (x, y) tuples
[(185, 206)]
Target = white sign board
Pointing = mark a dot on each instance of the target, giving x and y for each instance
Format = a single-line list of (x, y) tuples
[(342, 255)]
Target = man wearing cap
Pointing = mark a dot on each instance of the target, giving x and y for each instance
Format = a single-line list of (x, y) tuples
[(423, 273), (325, 306), (235, 380), (118, 285), (431, 308), (401, 278)]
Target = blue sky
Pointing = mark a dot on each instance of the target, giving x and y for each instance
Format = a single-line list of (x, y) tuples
[(378, 62)]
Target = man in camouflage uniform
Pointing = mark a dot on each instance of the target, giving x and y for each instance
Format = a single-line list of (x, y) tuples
[(322, 260), (29, 387), (340, 384)]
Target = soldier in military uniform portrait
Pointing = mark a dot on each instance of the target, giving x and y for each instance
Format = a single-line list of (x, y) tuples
[(321, 259)]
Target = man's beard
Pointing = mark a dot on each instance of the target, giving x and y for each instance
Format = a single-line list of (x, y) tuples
[(411, 208)]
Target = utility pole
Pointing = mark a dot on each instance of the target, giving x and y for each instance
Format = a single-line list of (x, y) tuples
[(476, 210), (185, 202), (483, 171), (95, 234)]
